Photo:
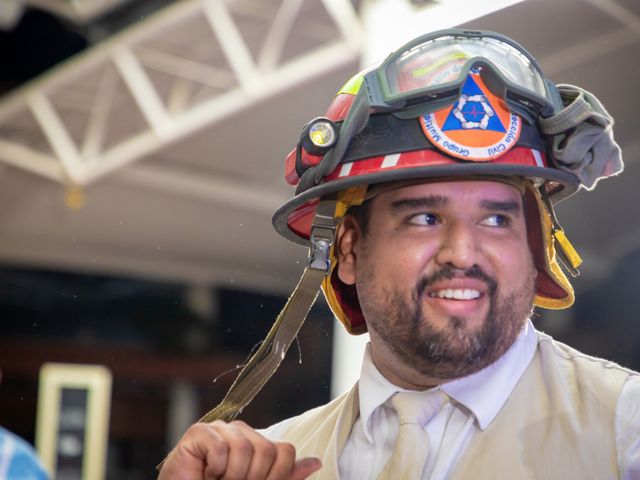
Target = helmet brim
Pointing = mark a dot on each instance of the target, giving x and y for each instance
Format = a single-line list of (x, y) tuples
[(293, 219)]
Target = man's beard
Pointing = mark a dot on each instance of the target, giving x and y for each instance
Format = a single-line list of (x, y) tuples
[(453, 351)]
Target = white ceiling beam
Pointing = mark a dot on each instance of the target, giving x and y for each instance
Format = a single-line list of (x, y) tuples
[(57, 135), (319, 62), (67, 72), (217, 109), (258, 9), (86, 163), (99, 116), (21, 156), (347, 20), (235, 49), (185, 68), (279, 31), (181, 92), (121, 155), (619, 13), (142, 90)]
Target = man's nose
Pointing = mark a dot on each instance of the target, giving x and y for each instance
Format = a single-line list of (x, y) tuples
[(459, 246)]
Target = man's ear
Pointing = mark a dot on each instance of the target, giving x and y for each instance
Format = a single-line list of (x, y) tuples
[(347, 239)]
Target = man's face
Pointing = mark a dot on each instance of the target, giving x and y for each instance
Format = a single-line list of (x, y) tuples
[(444, 276)]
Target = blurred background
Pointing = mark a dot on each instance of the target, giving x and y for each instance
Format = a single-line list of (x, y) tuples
[(142, 146)]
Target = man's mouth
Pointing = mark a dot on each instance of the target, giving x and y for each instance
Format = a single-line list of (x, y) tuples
[(456, 294)]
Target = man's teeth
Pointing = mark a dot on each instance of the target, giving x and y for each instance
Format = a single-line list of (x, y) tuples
[(457, 294)]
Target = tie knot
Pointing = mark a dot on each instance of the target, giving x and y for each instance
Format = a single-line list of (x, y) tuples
[(417, 407)]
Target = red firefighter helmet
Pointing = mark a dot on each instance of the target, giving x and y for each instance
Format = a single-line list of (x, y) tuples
[(449, 104)]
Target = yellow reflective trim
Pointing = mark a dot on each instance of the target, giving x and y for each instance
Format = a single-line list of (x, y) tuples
[(353, 84)]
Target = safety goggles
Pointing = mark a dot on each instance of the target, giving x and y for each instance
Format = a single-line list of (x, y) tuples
[(428, 73)]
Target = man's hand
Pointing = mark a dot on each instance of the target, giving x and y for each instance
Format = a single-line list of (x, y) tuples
[(220, 450)]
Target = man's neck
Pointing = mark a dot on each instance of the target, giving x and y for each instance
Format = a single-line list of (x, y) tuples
[(401, 375)]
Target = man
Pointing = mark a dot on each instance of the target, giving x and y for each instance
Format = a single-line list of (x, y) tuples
[(438, 170)]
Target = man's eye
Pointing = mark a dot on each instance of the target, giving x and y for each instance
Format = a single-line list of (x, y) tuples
[(424, 219), (496, 220)]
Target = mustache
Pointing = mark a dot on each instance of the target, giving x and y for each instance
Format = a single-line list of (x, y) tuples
[(447, 272)]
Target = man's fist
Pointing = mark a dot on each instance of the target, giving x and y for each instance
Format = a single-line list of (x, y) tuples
[(231, 451)]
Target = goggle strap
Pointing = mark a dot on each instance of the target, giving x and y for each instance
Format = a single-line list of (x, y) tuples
[(353, 124), (576, 112)]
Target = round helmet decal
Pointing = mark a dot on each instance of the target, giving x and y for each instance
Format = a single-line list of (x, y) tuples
[(477, 127)]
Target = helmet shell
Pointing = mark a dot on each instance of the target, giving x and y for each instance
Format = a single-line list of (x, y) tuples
[(375, 156)]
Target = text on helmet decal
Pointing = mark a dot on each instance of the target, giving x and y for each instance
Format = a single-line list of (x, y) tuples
[(477, 127)]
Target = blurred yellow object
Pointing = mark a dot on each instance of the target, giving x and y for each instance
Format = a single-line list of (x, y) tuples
[(570, 253), (74, 197)]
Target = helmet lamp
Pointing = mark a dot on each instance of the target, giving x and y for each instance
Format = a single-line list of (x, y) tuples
[(322, 133), (319, 135)]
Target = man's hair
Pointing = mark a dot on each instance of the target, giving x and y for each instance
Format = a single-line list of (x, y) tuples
[(362, 214)]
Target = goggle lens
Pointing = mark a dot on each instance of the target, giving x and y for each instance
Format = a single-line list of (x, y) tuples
[(448, 59)]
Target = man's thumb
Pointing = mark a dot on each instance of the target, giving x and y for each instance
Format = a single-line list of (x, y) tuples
[(305, 467)]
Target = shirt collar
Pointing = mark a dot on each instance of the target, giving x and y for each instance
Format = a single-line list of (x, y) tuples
[(483, 393), (486, 391)]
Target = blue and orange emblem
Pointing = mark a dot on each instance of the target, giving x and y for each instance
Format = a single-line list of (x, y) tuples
[(477, 127)]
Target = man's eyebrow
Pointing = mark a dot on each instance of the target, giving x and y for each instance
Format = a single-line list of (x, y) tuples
[(507, 206), (431, 201), (439, 201)]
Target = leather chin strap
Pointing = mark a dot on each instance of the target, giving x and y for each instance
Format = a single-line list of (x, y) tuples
[(266, 360), (263, 364)]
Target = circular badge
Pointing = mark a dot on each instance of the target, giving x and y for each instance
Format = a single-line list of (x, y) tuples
[(477, 127)]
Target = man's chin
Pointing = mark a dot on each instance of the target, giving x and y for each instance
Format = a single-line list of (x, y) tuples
[(459, 328), (454, 347)]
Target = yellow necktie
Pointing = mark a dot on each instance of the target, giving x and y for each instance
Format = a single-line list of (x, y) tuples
[(414, 410)]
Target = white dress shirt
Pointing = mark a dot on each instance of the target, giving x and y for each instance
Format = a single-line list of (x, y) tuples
[(475, 402)]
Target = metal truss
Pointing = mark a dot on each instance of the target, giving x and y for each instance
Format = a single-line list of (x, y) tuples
[(190, 65)]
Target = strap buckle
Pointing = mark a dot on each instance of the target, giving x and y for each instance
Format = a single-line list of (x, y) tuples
[(323, 232)]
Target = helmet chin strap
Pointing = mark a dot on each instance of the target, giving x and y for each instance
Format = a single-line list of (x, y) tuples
[(268, 357), (266, 360)]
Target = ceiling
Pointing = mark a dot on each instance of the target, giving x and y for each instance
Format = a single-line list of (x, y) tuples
[(159, 152)]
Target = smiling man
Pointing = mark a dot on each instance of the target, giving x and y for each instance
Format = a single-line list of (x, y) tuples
[(426, 196)]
